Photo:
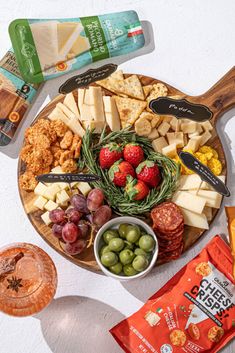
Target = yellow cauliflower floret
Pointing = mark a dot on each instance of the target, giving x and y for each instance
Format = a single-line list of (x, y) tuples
[(201, 157), (207, 149), (215, 166), (208, 155)]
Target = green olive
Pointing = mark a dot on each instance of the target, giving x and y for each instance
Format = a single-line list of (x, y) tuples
[(128, 245), (116, 269), (126, 256), (129, 270), (109, 259), (139, 251), (104, 249), (146, 243), (116, 244), (140, 263), (110, 234), (133, 234), (122, 230)]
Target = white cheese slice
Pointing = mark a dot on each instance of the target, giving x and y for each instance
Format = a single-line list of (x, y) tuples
[(70, 103), (96, 103), (84, 104), (189, 201), (81, 45), (65, 110), (68, 33), (206, 186), (40, 202), (194, 219), (212, 198), (57, 170), (76, 127), (57, 114), (111, 113), (45, 39)]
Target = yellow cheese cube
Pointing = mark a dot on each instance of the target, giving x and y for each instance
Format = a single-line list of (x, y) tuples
[(189, 128), (51, 192), (177, 138), (40, 202), (84, 187), (194, 143), (155, 121), (153, 134), (51, 205), (175, 123), (159, 143), (40, 189), (207, 126), (205, 137), (163, 128), (62, 196), (170, 151), (45, 218), (189, 201)]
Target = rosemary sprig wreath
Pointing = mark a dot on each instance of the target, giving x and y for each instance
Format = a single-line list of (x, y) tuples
[(115, 196)]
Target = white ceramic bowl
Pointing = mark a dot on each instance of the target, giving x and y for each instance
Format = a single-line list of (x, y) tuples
[(114, 223)]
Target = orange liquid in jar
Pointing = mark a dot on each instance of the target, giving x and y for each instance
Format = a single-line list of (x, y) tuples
[(31, 284)]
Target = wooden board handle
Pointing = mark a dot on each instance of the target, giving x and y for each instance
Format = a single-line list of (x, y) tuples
[(221, 96)]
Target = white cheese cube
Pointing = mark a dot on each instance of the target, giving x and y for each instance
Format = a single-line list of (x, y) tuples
[(175, 123), (155, 121), (40, 189), (40, 202), (207, 125), (196, 133), (212, 198), (153, 134), (84, 187), (74, 184), (51, 205), (205, 137), (57, 170), (159, 143), (189, 201), (166, 118), (62, 196), (45, 218), (163, 128), (208, 213), (61, 204), (194, 219), (63, 186), (111, 113), (51, 192), (170, 151), (189, 128), (194, 143), (177, 138)]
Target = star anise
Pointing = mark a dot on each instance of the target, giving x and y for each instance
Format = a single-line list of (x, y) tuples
[(14, 283)]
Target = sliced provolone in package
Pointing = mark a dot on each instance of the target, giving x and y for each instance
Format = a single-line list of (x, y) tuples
[(46, 49), (16, 96)]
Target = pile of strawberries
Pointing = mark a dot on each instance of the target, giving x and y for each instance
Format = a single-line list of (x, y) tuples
[(129, 169)]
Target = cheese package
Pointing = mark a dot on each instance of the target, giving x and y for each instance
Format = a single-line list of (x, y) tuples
[(16, 96), (194, 312), (230, 212), (49, 48)]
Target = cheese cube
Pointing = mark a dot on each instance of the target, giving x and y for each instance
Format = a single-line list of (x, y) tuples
[(84, 188), (175, 123), (63, 186), (205, 137), (111, 113), (40, 189), (45, 218), (96, 103), (189, 128), (62, 196), (51, 192), (196, 133), (207, 125), (40, 202), (156, 120), (199, 128), (177, 138), (166, 118), (163, 128), (153, 134), (51, 205), (212, 198), (194, 219), (159, 143), (61, 204), (57, 170), (189, 201), (76, 127), (194, 143), (208, 213), (170, 151)]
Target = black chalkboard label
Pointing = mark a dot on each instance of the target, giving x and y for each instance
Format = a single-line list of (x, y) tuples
[(180, 108), (87, 77), (204, 172)]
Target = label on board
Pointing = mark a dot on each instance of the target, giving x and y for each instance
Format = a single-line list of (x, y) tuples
[(180, 108)]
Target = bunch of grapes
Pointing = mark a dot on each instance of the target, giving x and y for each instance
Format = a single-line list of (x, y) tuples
[(73, 225)]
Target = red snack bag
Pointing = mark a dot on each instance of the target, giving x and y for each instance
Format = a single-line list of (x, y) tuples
[(193, 312)]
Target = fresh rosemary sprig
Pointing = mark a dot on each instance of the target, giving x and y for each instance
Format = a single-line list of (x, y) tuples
[(115, 196)]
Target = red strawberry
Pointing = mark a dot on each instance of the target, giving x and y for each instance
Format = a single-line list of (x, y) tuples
[(136, 189), (119, 171), (148, 172), (109, 155), (133, 154)]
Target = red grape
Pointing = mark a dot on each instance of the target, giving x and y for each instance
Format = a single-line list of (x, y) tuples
[(102, 215), (57, 230), (78, 201), (84, 228), (57, 216), (73, 215), (70, 232), (95, 199), (75, 248)]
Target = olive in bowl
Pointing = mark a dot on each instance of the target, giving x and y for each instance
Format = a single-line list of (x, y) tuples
[(126, 248)]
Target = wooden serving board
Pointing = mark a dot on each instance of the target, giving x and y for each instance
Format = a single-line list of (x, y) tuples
[(218, 99)]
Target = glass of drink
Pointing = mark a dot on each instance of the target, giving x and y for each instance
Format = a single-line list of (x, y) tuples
[(28, 279)]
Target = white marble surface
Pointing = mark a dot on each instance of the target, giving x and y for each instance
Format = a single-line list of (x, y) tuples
[(194, 47)]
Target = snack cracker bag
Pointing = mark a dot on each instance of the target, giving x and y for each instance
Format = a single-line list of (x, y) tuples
[(194, 311)]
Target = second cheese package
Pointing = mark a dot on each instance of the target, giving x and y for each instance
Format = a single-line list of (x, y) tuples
[(46, 48)]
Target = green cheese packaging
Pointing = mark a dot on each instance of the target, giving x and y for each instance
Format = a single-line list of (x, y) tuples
[(46, 49)]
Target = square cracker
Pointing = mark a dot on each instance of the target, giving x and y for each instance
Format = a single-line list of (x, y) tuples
[(129, 110)]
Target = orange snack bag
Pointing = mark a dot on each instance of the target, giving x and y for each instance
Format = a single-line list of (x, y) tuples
[(193, 312), (230, 212)]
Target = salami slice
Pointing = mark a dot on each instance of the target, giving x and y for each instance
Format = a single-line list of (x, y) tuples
[(170, 248), (167, 217), (171, 255)]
